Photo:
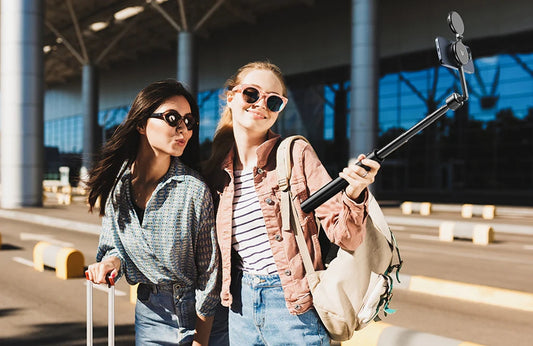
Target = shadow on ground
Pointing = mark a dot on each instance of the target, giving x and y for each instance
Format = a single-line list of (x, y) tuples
[(70, 334)]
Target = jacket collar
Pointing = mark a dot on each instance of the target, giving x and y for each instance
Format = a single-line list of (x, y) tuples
[(263, 152)]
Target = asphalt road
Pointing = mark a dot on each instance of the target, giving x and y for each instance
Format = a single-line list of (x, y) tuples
[(36, 308)]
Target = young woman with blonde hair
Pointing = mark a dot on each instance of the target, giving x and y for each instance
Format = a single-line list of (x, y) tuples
[(263, 277)]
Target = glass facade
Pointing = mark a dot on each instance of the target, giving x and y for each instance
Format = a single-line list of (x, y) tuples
[(480, 151)]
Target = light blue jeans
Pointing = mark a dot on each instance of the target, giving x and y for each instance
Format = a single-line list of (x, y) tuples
[(264, 319), (164, 316)]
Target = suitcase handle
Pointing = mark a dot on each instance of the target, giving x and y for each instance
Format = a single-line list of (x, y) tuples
[(110, 310), (109, 279)]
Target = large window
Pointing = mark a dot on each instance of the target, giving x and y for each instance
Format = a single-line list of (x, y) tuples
[(485, 146)]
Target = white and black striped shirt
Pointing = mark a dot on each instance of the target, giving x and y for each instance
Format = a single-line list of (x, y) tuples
[(249, 236)]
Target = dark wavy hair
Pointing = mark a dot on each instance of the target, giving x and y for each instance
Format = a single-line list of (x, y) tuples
[(123, 145)]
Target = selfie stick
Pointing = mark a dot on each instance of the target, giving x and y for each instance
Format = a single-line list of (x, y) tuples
[(453, 102)]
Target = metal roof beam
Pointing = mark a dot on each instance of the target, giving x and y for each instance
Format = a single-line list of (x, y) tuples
[(208, 15), (165, 15), (67, 44), (78, 32)]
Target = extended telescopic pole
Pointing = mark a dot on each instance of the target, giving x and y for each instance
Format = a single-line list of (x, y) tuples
[(453, 102)]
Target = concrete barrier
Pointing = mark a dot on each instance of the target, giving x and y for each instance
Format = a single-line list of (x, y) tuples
[(64, 195), (133, 293), (487, 212), (67, 262), (383, 334), (424, 208), (480, 234)]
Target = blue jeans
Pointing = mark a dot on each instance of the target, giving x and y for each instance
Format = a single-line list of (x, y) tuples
[(164, 315), (219, 332), (263, 317)]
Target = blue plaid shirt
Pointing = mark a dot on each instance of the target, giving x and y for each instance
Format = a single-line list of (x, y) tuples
[(175, 242)]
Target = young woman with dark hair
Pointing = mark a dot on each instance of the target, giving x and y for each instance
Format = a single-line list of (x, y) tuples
[(158, 220)]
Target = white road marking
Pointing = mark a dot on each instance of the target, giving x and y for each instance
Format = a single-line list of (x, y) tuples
[(23, 261), (44, 237)]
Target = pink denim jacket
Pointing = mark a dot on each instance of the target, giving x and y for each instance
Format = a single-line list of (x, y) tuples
[(341, 217)]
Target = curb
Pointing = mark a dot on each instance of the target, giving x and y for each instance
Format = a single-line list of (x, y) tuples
[(435, 223), (76, 226), (469, 292), (383, 334)]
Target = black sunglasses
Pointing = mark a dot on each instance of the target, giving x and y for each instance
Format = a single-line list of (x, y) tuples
[(251, 94), (174, 119)]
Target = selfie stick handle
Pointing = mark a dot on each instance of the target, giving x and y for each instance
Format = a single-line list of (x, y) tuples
[(453, 102)]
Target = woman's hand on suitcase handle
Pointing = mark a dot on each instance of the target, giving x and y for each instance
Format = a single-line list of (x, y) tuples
[(358, 177), (103, 272)]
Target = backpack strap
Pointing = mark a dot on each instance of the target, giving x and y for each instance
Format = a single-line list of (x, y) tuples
[(283, 170)]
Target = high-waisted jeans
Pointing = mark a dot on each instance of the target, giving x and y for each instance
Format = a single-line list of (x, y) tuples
[(264, 319), (164, 315)]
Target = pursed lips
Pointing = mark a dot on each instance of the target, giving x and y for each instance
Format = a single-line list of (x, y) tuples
[(180, 141)]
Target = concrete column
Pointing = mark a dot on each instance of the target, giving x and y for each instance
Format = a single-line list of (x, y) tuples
[(21, 90), (364, 72), (91, 134), (187, 68), (187, 73)]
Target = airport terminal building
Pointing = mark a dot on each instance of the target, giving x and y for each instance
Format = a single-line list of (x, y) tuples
[(359, 74)]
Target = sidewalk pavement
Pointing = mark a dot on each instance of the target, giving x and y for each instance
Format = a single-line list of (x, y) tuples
[(76, 217)]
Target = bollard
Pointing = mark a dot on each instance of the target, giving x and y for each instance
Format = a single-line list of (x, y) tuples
[(424, 208), (133, 293), (483, 234), (446, 231), (489, 212), (467, 211), (480, 234), (407, 208), (67, 262), (485, 211), (64, 195)]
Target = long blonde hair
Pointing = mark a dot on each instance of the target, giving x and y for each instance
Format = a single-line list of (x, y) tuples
[(223, 139)]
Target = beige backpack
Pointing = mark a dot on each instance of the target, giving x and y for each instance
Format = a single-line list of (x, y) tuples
[(356, 286)]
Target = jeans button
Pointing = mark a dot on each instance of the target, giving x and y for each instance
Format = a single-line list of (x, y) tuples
[(287, 272), (278, 237), (260, 171), (297, 307), (269, 201)]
